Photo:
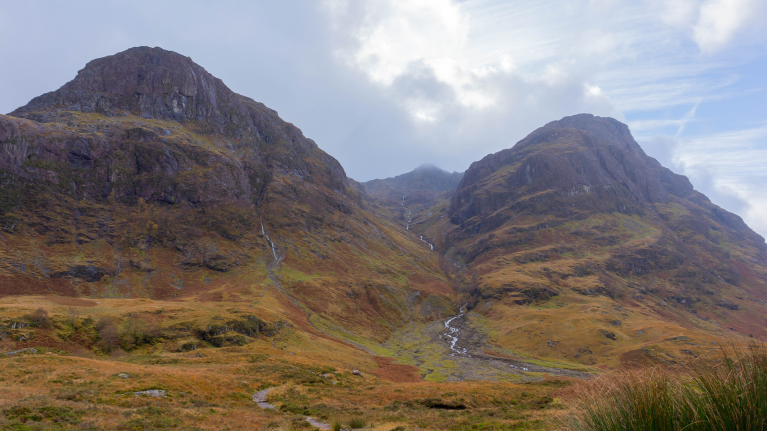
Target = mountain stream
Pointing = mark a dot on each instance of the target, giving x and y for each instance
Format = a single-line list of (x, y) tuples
[(453, 333)]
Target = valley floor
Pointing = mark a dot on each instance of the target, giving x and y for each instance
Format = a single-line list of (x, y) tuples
[(67, 383), (428, 347)]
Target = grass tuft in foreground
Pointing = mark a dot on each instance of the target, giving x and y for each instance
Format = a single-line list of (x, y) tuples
[(729, 396)]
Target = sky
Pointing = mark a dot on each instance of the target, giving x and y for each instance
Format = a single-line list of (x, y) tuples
[(387, 85)]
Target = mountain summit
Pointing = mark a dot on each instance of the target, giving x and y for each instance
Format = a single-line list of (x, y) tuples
[(149, 83), (250, 140), (417, 186)]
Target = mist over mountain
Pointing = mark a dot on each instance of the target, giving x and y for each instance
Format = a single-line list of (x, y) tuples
[(419, 185)]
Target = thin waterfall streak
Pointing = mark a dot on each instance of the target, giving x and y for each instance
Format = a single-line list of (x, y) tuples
[(269, 240)]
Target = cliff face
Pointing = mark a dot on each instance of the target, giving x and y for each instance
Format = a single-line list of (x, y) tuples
[(147, 176), (593, 158), (572, 168), (241, 143)]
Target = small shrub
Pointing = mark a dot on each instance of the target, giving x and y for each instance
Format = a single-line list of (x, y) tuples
[(140, 330), (109, 339), (357, 422), (188, 347), (72, 314), (39, 318)]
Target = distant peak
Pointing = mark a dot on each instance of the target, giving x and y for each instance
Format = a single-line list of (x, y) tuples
[(429, 167)]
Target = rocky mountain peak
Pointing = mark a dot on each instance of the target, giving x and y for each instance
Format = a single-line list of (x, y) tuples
[(152, 124), (604, 129), (428, 167), (422, 184), (146, 70), (575, 155), (151, 83)]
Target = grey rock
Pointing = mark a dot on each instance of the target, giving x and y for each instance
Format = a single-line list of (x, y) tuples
[(315, 423), (27, 350), (158, 393), (260, 399)]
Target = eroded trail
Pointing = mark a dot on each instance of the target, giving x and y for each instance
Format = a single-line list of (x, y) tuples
[(260, 399)]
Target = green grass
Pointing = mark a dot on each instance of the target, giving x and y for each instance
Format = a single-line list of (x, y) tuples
[(357, 422), (700, 397)]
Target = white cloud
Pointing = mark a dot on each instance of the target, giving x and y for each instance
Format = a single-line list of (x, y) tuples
[(396, 33), (711, 24), (591, 90), (734, 164), (634, 51), (719, 20), (393, 38)]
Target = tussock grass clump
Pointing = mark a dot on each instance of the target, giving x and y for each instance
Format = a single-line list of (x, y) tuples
[(357, 422), (731, 395)]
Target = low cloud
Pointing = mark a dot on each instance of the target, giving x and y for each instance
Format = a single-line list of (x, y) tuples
[(720, 20), (712, 24)]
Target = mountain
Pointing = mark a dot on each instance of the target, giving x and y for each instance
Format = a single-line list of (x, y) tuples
[(575, 238), (163, 235), (403, 198), (420, 185), (146, 176)]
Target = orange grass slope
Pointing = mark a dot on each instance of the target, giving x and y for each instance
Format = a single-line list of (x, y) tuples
[(71, 384)]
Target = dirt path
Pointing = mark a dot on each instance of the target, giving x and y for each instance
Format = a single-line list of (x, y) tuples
[(260, 399)]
